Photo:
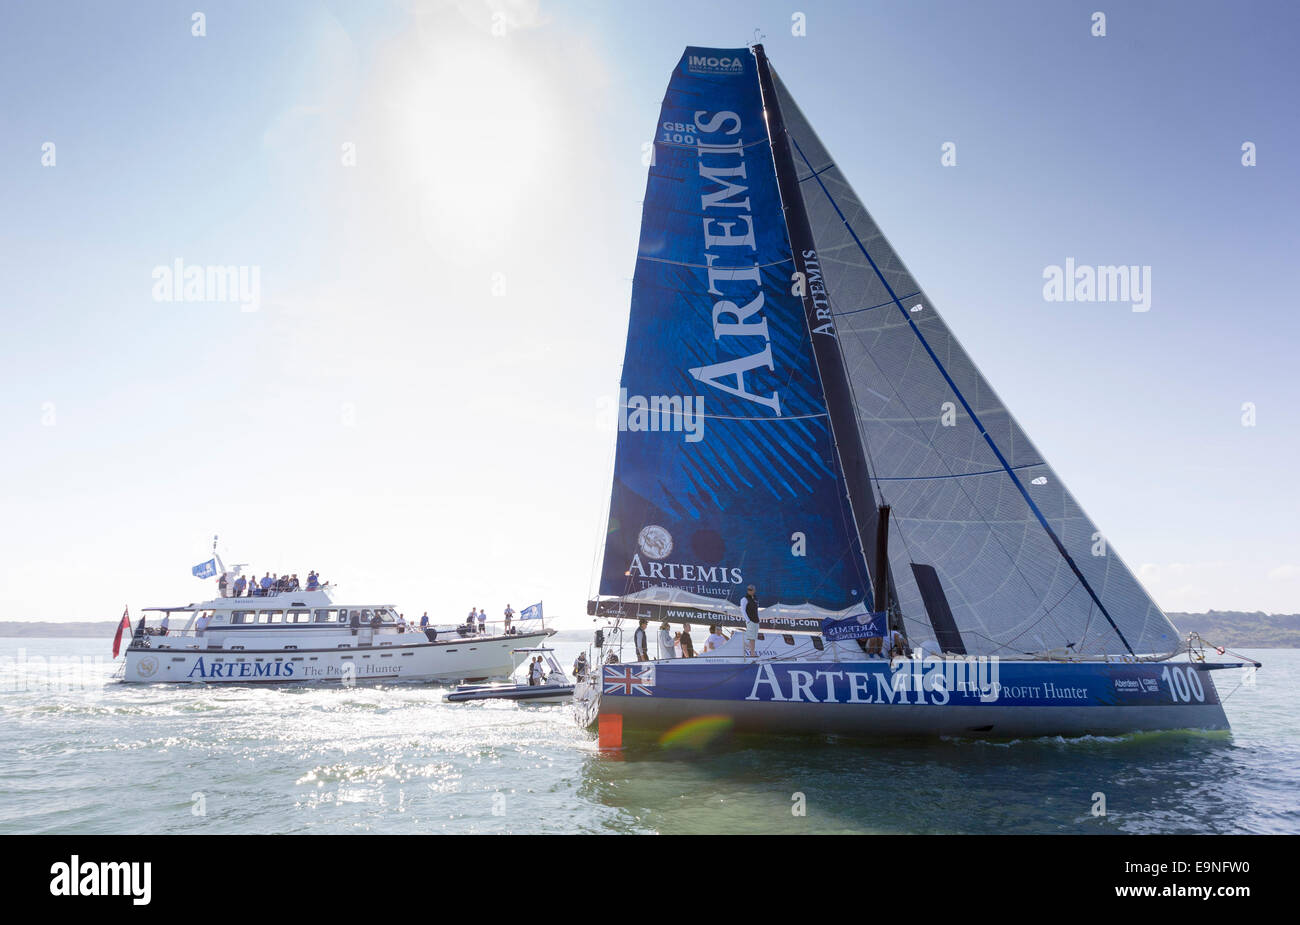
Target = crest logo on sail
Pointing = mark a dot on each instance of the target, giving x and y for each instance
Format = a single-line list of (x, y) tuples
[(655, 541)]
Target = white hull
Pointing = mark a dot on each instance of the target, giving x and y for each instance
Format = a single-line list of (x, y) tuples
[(412, 659)]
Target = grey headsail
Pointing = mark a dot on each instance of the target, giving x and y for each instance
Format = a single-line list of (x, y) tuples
[(1021, 567)]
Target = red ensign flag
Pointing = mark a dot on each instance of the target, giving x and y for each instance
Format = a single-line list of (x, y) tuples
[(125, 625)]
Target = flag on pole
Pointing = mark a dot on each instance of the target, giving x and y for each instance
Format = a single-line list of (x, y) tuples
[(123, 626), (531, 613), (859, 626), (205, 569)]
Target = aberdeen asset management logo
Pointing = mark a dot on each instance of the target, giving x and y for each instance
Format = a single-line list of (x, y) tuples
[(710, 64)]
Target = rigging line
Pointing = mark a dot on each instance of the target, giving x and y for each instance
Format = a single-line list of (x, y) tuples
[(713, 149), (950, 475), (942, 458), (705, 266), (733, 417), (1060, 547), (856, 311)]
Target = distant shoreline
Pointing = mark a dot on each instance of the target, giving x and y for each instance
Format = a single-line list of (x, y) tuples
[(1231, 628)]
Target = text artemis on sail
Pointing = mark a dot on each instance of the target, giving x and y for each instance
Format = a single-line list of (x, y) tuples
[(721, 163)]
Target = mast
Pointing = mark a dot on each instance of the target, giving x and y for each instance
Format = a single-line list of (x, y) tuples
[(821, 332)]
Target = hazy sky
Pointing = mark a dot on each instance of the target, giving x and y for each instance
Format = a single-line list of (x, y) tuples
[(421, 405)]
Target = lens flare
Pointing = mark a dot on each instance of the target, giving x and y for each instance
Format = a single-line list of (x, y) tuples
[(697, 732)]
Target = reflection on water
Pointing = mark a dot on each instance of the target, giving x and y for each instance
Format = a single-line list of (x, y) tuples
[(398, 759)]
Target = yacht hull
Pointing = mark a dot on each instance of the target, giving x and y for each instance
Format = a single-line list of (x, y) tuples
[(470, 658), (907, 698)]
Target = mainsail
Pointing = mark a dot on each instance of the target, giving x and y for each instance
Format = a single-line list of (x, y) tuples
[(725, 473), (831, 387)]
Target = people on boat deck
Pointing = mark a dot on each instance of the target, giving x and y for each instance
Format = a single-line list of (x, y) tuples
[(536, 673), (376, 621), (240, 584), (640, 642), (751, 622), (667, 644), (716, 639), (580, 667), (313, 581), (509, 615), (201, 624), (894, 644), (223, 584), (267, 584), (166, 622), (472, 620), (685, 643), (482, 622), (424, 620)]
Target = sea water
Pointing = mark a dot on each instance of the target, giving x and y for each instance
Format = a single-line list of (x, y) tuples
[(80, 753)]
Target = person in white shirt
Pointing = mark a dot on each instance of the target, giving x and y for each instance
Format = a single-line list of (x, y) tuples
[(201, 624), (715, 641), (667, 646), (894, 643), (166, 621), (482, 622)]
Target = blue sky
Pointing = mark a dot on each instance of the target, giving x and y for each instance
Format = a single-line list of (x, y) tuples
[(420, 406)]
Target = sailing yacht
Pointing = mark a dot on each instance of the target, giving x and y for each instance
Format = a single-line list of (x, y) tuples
[(798, 417)]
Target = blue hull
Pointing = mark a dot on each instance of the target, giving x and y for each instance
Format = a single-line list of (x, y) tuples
[(914, 697)]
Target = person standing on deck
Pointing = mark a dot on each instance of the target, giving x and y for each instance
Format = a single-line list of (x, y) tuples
[(751, 623), (509, 615), (240, 584), (640, 642), (424, 621), (482, 622), (667, 646), (166, 622), (687, 644)]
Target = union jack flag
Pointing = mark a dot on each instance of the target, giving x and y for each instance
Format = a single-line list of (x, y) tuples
[(623, 680)]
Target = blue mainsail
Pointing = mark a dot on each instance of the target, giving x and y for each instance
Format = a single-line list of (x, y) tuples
[(725, 470)]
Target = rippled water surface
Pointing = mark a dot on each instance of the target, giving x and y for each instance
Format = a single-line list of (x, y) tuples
[(397, 759)]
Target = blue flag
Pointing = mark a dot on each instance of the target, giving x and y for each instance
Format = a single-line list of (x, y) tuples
[(531, 613), (863, 626), (205, 569)]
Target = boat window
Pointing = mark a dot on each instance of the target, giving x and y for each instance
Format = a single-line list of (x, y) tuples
[(264, 616), (365, 616), (324, 616), (243, 616), (298, 616)]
